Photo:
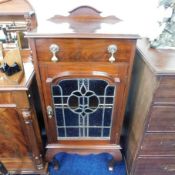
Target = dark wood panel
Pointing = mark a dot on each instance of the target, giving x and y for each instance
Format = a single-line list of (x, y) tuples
[(12, 141), (81, 50), (162, 119), (140, 97), (6, 98), (165, 92), (155, 166), (131, 150), (158, 144), (21, 99)]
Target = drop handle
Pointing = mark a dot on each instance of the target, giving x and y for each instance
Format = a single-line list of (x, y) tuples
[(49, 112), (112, 49), (54, 48)]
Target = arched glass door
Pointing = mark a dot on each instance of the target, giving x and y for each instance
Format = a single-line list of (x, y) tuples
[(83, 108)]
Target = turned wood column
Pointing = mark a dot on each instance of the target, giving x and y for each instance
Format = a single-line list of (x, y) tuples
[(31, 138)]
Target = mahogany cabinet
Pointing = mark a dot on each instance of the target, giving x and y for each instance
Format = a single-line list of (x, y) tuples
[(83, 73), (21, 149), (151, 138)]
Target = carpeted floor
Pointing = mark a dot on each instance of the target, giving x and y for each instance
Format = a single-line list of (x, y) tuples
[(73, 164)]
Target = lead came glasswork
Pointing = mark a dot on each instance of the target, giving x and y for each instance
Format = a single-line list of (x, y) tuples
[(83, 108)]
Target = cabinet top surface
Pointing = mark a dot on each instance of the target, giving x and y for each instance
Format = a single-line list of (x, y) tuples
[(160, 61), (83, 22)]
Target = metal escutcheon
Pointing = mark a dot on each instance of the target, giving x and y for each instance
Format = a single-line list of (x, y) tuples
[(112, 49), (49, 112), (54, 48)]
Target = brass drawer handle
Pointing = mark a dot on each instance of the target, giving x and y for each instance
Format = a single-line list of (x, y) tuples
[(112, 49), (49, 112), (54, 48)]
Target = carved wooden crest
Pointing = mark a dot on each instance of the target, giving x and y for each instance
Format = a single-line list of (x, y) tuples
[(84, 19)]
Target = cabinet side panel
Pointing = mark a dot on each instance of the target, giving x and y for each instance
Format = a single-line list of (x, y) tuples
[(142, 89), (12, 142)]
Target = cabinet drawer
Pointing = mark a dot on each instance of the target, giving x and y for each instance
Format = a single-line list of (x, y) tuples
[(85, 50), (6, 98), (166, 90), (158, 144), (162, 119), (155, 166), (82, 68)]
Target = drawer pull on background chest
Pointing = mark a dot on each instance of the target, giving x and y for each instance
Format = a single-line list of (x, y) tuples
[(54, 48), (112, 49)]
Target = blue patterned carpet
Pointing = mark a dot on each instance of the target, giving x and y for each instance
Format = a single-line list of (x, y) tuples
[(73, 164)]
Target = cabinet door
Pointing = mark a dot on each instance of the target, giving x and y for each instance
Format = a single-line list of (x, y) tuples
[(13, 147), (84, 101)]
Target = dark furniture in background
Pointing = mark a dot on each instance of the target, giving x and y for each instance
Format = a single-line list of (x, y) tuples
[(18, 10), (151, 139), (17, 16), (21, 149), (83, 72)]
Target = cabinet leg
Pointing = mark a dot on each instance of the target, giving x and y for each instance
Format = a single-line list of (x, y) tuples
[(3, 170), (55, 164), (117, 156), (111, 164)]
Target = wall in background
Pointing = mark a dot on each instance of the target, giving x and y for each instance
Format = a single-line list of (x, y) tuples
[(143, 14)]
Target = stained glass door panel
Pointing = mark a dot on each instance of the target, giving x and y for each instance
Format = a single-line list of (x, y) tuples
[(83, 108)]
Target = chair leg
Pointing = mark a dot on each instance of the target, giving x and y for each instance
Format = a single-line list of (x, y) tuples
[(3, 170)]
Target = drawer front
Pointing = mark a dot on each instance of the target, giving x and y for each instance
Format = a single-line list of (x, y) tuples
[(6, 98), (54, 69), (85, 50), (158, 144), (162, 119), (155, 166), (165, 92)]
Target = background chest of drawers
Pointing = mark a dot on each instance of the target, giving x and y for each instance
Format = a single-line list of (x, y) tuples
[(84, 64), (151, 141)]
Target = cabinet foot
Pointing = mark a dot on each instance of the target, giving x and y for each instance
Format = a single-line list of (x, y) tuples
[(111, 164), (56, 164)]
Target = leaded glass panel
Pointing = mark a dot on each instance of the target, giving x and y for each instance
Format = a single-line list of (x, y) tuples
[(83, 108)]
